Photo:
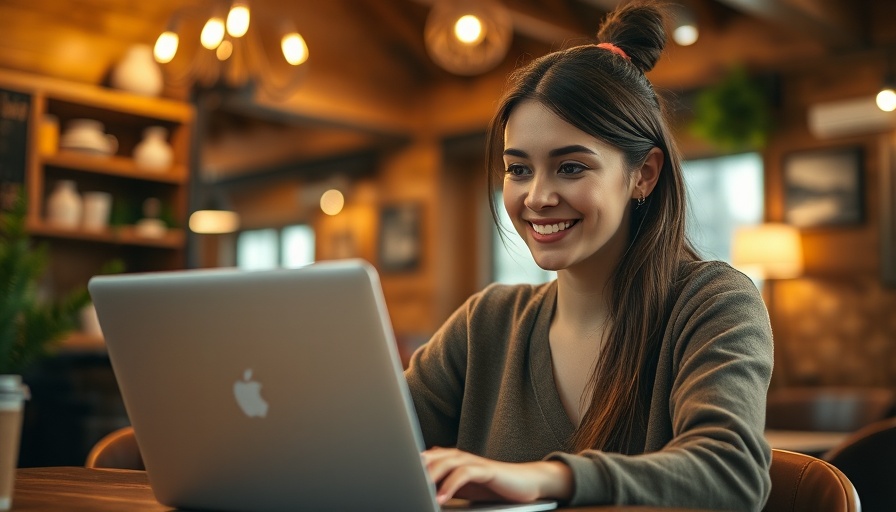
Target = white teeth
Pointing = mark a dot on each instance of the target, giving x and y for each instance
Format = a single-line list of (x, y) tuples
[(547, 229)]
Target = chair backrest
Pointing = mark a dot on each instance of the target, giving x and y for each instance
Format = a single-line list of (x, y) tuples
[(834, 409), (117, 450), (802, 483), (868, 458)]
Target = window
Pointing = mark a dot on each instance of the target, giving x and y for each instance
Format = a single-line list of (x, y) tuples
[(723, 194), (289, 247), (512, 262)]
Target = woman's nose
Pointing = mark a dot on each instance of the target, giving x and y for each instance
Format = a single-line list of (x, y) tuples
[(541, 194)]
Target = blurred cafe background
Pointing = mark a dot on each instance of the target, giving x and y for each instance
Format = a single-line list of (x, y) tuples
[(150, 136)]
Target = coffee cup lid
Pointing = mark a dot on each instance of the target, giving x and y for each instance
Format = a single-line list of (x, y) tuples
[(11, 386)]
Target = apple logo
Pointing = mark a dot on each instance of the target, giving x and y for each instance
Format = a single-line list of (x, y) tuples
[(248, 396)]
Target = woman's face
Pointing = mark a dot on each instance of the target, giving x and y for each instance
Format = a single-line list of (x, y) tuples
[(566, 192)]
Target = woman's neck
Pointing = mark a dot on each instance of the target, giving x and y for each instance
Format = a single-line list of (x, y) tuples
[(583, 298)]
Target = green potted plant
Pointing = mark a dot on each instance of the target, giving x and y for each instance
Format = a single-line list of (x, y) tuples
[(29, 325), (734, 114)]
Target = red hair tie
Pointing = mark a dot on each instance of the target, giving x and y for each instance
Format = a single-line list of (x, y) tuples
[(615, 49)]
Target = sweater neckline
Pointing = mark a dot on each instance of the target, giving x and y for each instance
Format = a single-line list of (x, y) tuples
[(542, 371)]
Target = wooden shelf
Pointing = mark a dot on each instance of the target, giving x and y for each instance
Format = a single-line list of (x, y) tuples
[(101, 97), (119, 235), (113, 166)]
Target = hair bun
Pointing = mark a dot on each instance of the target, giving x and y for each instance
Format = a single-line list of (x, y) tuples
[(639, 29)]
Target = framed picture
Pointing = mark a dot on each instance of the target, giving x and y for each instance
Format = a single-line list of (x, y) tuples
[(824, 188), (888, 215), (399, 241)]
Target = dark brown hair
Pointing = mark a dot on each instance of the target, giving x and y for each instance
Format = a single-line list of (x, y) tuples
[(610, 98)]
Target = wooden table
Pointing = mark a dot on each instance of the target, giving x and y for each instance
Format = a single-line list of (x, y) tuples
[(815, 443), (78, 489)]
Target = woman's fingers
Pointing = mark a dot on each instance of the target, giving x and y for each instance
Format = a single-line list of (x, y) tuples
[(460, 477), (440, 462)]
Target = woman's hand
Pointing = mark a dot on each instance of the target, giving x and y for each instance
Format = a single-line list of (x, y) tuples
[(459, 474)]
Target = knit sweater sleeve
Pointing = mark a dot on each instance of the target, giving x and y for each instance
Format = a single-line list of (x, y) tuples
[(435, 377), (717, 351)]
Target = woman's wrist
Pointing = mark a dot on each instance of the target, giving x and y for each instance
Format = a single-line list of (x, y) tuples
[(556, 480)]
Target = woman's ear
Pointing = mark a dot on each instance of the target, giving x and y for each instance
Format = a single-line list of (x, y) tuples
[(648, 174)]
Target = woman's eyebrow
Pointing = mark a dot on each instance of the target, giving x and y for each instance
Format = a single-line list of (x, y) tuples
[(565, 150)]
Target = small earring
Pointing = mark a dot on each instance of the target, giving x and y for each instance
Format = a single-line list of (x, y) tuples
[(640, 200)]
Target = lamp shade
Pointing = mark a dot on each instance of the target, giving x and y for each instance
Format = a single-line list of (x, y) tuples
[(215, 217), (468, 37), (768, 251)]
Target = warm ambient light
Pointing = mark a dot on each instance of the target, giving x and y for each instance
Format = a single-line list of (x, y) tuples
[(468, 30), (332, 201), (685, 35), (238, 20), (886, 100), (768, 251), (684, 31), (212, 33), (294, 48), (166, 47), (214, 221)]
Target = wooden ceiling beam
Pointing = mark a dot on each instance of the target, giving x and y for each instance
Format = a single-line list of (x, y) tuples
[(834, 22)]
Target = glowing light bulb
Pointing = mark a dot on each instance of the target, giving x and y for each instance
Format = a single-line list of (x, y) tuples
[(886, 100), (468, 30), (212, 33), (166, 47), (224, 51), (685, 35), (332, 201), (295, 51), (238, 20)]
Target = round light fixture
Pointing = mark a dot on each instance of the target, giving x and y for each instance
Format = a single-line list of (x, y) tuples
[(468, 37), (332, 201), (886, 100)]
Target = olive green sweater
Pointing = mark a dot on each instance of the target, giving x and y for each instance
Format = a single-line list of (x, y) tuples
[(484, 383)]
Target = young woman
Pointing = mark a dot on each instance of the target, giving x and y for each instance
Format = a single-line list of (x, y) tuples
[(639, 375)]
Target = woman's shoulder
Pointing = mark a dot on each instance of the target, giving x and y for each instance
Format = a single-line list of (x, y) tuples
[(713, 275), (717, 282)]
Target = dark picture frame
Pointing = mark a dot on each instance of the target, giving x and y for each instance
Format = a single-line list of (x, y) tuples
[(400, 244), (888, 214), (824, 188)]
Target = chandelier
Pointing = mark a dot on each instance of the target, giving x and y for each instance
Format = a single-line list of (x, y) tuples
[(233, 45)]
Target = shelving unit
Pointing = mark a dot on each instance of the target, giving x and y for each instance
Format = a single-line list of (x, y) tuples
[(76, 254)]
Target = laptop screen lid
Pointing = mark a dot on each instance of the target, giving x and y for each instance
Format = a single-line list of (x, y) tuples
[(265, 390)]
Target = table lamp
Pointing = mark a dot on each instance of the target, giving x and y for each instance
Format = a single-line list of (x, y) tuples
[(768, 251)]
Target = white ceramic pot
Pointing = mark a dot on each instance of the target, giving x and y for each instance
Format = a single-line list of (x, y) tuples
[(64, 205), (138, 72), (88, 135), (154, 153)]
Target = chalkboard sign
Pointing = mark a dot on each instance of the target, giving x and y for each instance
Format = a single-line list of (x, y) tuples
[(15, 108)]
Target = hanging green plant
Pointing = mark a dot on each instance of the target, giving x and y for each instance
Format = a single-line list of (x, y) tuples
[(733, 115)]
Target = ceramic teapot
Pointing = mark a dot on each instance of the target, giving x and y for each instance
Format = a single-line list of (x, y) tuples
[(88, 135)]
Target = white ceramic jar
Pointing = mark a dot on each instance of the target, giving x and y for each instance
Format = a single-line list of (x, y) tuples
[(64, 205), (138, 72), (153, 153)]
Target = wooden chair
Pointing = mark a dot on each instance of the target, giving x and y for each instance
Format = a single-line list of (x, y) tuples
[(117, 450), (868, 458), (802, 483), (834, 409)]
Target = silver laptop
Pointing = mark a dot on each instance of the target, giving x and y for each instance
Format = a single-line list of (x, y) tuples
[(267, 390)]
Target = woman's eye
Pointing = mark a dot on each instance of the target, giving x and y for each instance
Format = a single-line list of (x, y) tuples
[(572, 168), (516, 170)]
